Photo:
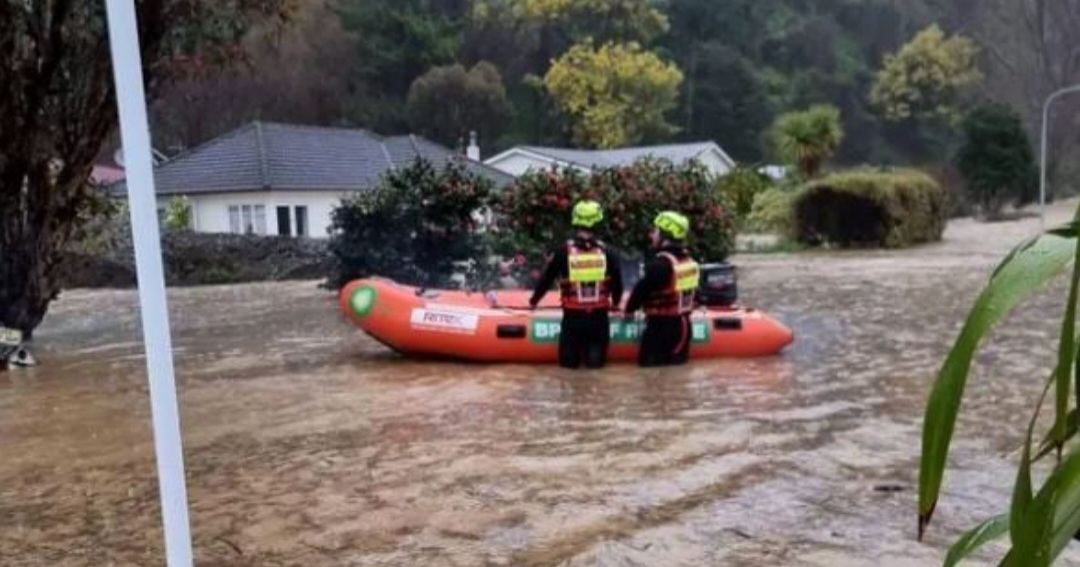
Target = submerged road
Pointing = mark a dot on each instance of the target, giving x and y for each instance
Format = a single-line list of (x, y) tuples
[(308, 443)]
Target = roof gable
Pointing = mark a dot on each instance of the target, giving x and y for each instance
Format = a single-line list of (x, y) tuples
[(264, 156)]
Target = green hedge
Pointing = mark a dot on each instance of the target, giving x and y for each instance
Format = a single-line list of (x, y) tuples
[(870, 207)]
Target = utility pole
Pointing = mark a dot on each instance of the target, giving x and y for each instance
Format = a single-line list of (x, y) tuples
[(1042, 158)]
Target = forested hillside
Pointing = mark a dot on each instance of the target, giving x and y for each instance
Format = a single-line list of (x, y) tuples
[(620, 72)]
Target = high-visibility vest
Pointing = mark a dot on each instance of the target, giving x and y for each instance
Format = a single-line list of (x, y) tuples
[(677, 297), (587, 285)]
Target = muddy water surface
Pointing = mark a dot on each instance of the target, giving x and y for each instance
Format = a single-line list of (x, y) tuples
[(308, 444)]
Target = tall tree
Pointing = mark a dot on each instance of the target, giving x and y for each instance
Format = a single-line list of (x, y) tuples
[(615, 95), (498, 32), (723, 95), (742, 25), (600, 20), (799, 53), (725, 101), (808, 138), (57, 107), (996, 160), (1030, 48), (289, 76), (447, 102), (396, 42), (557, 25), (927, 77)]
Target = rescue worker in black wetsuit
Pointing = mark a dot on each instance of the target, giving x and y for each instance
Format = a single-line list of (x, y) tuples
[(590, 285), (666, 293)]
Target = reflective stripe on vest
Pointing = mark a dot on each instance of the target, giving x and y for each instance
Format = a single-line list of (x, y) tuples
[(677, 298), (587, 267), (687, 275), (586, 286)]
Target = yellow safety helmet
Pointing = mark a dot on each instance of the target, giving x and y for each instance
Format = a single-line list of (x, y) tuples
[(672, 224), (587, 214)]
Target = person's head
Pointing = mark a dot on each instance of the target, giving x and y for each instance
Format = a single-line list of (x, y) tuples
[(669, 227), (586, 217)]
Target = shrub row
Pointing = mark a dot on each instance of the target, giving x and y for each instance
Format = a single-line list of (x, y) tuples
[(868, 207), (197, 259)]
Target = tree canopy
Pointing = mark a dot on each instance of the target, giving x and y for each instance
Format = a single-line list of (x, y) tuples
[(996, 159), (926, 77), (446, 103), (615, 94), (808, 138)]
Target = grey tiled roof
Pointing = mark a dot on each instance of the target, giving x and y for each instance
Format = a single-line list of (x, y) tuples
[(264, 156), (676, 153)]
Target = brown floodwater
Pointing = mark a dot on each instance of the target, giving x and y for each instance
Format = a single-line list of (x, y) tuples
[(307, 443)]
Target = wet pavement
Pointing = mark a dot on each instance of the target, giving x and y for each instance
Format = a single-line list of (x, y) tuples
[(308, 443)]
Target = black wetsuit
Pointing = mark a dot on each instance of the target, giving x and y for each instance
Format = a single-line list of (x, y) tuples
[(666, 340), (584, 334)]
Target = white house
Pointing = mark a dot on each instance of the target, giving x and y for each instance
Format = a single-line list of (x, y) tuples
[(281, 179), (520, 159)]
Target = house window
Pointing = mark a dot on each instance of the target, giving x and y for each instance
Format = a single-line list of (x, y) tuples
[(247, 219), (301, 221), (259, 221), (234, 219), (284, 228)]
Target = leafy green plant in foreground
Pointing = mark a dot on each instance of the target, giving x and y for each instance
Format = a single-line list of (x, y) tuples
[(1042, 519)]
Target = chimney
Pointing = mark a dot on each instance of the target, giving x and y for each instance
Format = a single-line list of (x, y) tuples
[(473, 151)]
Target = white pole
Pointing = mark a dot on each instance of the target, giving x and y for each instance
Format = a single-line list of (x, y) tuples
[(135, 137), (1042, 149)]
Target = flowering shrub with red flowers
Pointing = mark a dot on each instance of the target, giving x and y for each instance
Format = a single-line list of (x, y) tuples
[(418, 226), (533, 215)]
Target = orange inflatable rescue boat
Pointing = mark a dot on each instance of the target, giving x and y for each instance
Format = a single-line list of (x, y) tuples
[(498, 326)]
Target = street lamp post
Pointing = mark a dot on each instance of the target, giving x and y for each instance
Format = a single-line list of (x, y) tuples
[(1042, 159)]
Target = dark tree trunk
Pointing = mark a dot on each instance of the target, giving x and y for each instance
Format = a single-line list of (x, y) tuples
[(56, 109), (32, 238), (57, 106)]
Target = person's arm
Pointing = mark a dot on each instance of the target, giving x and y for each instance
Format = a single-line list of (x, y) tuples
[(614, 274), (551, 273), (657, 276)]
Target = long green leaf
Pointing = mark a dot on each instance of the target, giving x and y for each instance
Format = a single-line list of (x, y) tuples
[(1029, 268), (1053, 438), (1032, 546), (1066, 352), (971, 541), (1056, 504), (1028, 535), (1064, 484)]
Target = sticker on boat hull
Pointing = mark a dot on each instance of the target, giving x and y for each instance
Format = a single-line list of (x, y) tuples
[(445, 321)]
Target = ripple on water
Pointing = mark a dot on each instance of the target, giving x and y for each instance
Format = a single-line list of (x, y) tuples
[(309, 444)]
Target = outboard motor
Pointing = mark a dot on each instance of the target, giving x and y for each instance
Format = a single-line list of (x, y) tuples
[(718, 287)]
